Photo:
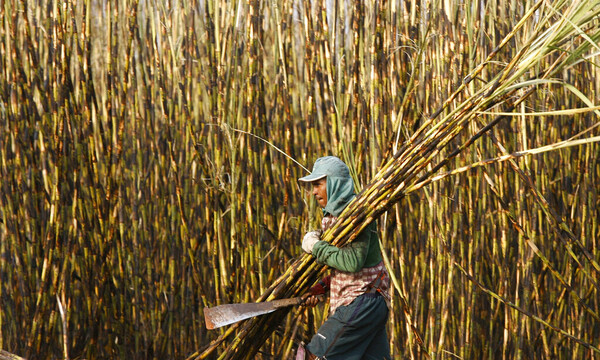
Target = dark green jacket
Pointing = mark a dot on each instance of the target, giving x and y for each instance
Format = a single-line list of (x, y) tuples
[(362, 252)]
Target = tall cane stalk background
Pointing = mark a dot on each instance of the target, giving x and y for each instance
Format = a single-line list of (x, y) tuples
[(149, 153)]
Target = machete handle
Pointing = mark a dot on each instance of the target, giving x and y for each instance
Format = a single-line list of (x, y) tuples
[(319, 297)]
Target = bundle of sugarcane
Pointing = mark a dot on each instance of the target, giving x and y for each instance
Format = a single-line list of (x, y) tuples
[(5, 355), (565, 31)]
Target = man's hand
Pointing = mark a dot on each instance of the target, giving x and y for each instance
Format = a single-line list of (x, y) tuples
[(310, 300), (310, 239)]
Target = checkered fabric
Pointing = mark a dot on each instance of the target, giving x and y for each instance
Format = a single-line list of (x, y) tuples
[(347, 286)]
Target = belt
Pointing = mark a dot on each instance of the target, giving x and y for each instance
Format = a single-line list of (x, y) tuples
[(373, 288)]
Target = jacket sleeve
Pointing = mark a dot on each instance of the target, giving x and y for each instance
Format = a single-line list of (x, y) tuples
[(349, 258), (321, 287)]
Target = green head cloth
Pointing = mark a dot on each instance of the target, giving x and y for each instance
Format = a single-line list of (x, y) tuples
[(340, 187)]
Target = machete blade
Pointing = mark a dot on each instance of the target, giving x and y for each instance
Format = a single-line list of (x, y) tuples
[(227, 314)]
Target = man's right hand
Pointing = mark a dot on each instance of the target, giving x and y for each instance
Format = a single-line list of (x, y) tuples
[(311, 300)]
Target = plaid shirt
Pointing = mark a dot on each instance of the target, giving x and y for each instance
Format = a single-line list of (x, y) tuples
[(347, 286)]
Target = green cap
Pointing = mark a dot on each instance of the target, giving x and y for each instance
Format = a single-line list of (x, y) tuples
[(327, 166)]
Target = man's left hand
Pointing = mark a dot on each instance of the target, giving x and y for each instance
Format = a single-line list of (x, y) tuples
[(309, 241)]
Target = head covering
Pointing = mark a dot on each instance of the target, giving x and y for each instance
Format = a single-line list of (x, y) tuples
[(340, 187)]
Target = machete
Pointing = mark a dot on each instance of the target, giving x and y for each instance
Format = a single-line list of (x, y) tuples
[(222, 315)]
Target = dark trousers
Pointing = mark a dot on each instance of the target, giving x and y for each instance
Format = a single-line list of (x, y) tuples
[(354, 332)]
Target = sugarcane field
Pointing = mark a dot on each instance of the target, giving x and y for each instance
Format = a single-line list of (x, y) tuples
[(320, 179)]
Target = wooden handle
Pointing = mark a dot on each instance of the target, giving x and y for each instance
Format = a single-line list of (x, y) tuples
[(287, 302)]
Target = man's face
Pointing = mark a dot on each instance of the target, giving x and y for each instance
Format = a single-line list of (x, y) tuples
[(320, 191)]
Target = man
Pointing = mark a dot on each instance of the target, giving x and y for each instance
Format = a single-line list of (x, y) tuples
[(359, 283)]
